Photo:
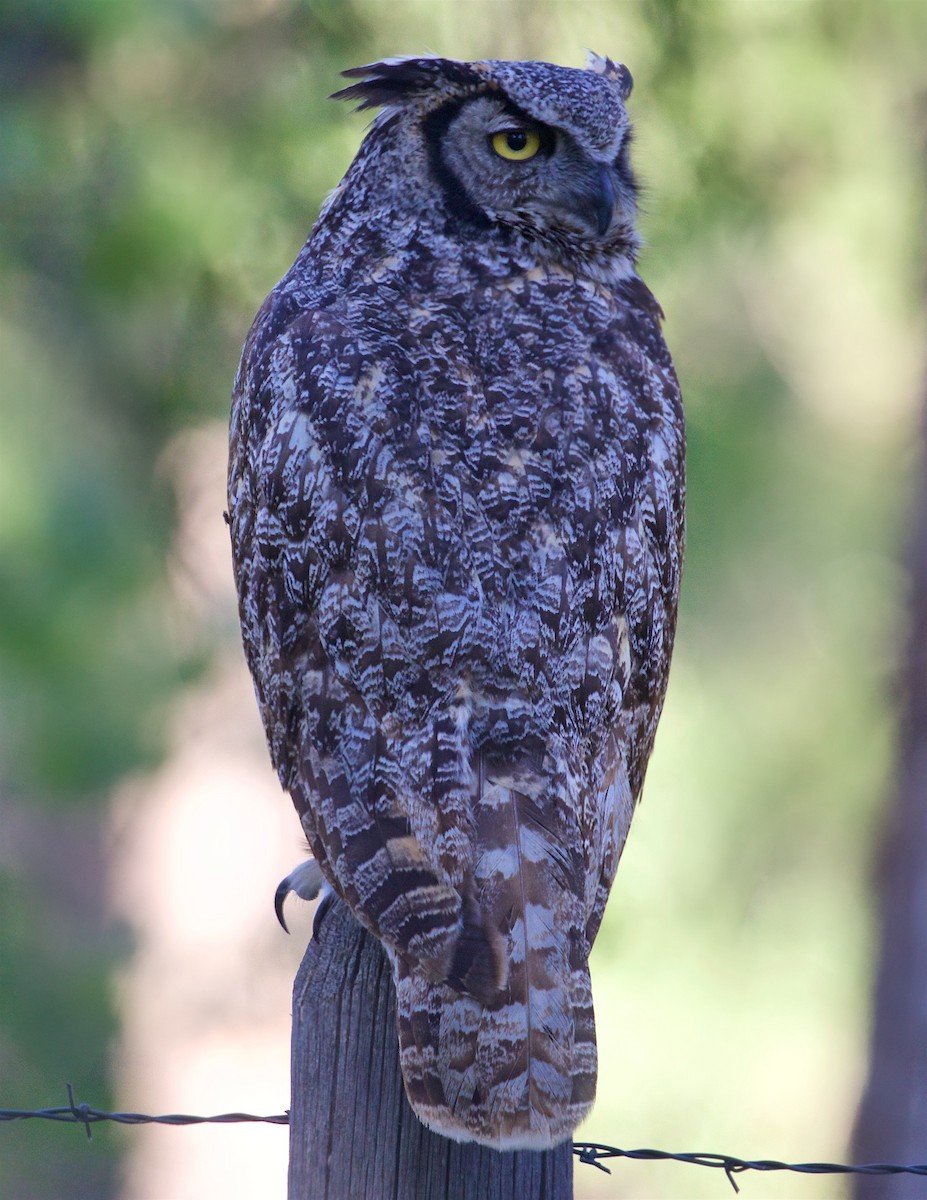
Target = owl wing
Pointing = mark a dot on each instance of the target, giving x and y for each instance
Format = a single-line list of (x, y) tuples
[(649, 550), (345, 609)]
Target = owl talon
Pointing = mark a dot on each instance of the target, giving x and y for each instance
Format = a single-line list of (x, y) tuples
[(328, 899), (306, 881)]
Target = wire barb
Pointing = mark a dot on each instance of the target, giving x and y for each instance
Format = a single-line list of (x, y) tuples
[(80, 1114)]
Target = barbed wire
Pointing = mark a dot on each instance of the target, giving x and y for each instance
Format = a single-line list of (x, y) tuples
[(86, 1115), (591, 1153)]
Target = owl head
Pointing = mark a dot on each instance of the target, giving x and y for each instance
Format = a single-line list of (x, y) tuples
[(526, 147)]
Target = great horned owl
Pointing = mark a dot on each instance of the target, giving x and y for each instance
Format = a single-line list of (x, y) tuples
[(456, 498)]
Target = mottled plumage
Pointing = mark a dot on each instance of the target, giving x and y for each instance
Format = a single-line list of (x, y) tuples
[(456, 499)]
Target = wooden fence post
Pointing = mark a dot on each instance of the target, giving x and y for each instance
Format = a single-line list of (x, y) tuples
[(353, 1135)]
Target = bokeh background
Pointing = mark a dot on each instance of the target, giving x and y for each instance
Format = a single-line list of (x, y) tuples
[(161, 162)]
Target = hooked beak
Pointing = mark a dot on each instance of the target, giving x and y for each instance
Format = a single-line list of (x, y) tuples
[(603, 198)]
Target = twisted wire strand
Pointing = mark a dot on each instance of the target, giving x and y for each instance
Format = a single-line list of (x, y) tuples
[(591, 1153)]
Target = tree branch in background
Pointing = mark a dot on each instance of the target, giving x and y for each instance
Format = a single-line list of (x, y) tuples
[(891, 1124)]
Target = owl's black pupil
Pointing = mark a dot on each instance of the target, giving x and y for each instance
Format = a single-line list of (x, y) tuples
[(516, 140)]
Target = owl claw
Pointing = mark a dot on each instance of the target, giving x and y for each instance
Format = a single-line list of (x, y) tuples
[(328, 899), (306, 881)]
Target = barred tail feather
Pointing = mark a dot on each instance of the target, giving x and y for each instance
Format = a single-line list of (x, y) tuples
[(517, 1069)]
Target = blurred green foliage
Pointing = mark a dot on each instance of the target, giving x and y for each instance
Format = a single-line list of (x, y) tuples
[(160, 164)]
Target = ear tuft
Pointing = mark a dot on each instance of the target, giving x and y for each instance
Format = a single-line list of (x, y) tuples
[(396, 80), (616, 73)]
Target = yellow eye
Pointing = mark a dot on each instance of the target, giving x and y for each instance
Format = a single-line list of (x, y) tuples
[(516, 144)]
